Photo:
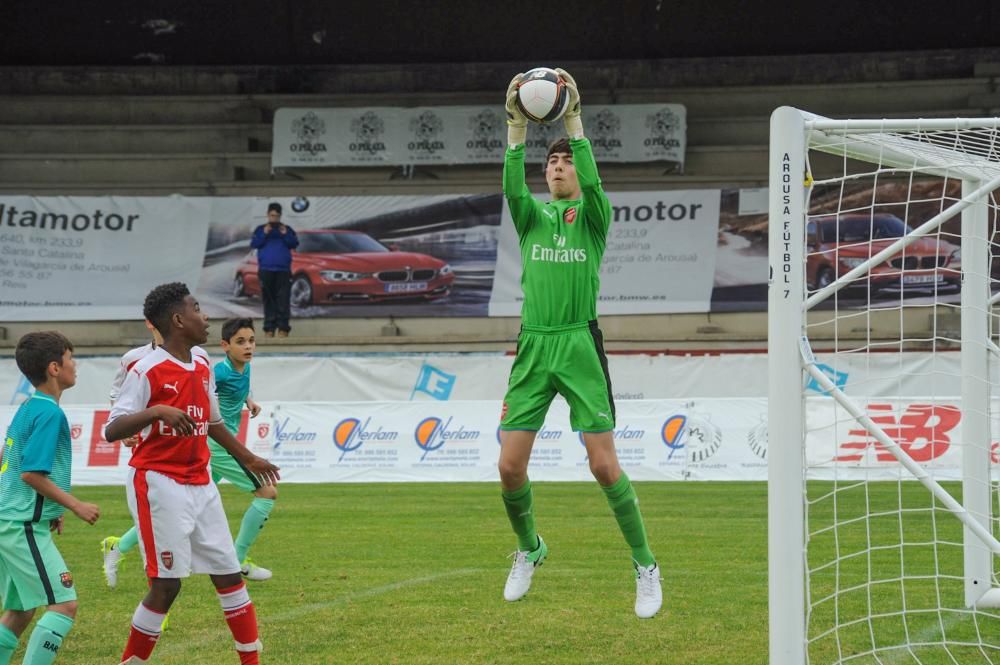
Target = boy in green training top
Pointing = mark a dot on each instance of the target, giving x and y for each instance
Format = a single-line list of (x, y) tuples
[(560, 349), (35, 467), (232, 383)]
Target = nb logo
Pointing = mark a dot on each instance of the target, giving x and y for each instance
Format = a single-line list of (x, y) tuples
[(172, 386), (538, 74), (560, 241)]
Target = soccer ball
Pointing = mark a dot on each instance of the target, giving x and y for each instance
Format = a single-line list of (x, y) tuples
[(541, 95)]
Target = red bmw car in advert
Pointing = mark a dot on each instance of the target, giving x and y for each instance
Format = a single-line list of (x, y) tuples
[(837, 244), (331, 266)]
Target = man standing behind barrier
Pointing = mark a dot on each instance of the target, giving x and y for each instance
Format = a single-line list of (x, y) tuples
[(274, 243)]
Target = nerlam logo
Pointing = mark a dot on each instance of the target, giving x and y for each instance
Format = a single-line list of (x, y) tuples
[(432, 433), (350, 434), (672, 433)]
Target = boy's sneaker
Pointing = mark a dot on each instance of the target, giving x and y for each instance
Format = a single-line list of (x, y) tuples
[(648, 592), (252, 571), (112, 557), (519, 579)]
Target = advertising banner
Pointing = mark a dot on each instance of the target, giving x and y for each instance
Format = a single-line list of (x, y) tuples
[(446, 255), (653, 235), (378, 136), (78, 258), (697, 439)]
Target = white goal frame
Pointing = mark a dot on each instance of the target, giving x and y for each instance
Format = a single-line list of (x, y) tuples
[(790, 361)]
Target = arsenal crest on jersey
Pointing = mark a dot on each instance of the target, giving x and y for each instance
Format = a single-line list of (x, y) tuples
[(204, 382), (569, 216), (168, 559)]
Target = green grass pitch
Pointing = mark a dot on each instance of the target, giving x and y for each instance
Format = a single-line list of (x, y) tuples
[(414, 573)]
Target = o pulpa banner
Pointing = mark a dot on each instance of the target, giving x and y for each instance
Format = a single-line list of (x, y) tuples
[(85, 258), (374, 136)]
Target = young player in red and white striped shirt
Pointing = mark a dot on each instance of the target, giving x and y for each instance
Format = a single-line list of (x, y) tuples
[(169, 397)]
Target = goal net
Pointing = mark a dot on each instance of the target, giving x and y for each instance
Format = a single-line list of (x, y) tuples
[(883, 412)]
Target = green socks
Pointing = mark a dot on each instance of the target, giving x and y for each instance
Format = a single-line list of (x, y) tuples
[(253, 522), (46, 638), (521, 513), (129, 540), (623, 501), (8, 644)]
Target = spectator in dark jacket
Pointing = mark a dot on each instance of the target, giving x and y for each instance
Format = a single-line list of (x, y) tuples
[(274, 243)]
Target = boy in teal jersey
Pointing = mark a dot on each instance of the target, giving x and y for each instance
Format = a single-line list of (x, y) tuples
[(35, 467), (560, 349), (232, 383)]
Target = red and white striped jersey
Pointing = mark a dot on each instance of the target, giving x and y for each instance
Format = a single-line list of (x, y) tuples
[(131, 358), (160, 378)]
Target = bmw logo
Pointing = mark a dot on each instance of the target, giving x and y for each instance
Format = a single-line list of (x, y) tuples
[(300, 204)]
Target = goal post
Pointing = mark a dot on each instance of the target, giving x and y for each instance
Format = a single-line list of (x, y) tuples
[(882, 427)]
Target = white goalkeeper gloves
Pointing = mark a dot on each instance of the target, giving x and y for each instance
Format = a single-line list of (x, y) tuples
[(517, 124), (574, 125)]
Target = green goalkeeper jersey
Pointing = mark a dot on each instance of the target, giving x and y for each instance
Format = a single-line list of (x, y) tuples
[(562, 242)]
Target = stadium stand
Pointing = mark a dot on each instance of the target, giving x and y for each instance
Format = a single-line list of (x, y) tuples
[(206, 131)]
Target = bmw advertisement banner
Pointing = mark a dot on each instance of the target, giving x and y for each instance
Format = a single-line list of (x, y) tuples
[(446, 255), (69, 258), (378, 136)]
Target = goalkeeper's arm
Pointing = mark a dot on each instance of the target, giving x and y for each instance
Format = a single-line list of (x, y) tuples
[(574, 125), (517, 124)]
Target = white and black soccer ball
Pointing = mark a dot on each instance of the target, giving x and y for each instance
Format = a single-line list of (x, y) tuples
[(542, 95)]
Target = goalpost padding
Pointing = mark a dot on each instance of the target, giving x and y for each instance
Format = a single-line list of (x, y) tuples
[(861, 569)]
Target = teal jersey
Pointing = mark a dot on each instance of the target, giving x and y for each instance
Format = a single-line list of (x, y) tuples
[(37, 440), (233, 389), (562, 242)]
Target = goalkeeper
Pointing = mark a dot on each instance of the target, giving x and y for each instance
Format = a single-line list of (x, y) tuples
[(560, 349)]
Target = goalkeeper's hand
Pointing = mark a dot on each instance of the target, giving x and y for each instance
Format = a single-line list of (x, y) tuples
[(517, 124), (574, 125)]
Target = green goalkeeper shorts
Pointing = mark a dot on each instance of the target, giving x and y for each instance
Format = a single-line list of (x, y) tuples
[(32, 572), (224, 465), (568, 360)]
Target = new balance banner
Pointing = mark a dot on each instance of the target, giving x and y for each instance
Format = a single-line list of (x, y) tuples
[(377, 136)]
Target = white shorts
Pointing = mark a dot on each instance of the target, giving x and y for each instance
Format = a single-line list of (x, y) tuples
[(182, 528)]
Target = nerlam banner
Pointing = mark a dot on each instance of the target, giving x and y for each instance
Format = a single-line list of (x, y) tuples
[(459, 441), (449, 135)]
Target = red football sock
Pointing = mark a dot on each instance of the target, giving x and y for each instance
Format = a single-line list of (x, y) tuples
[(242, 620), (146, 627)]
